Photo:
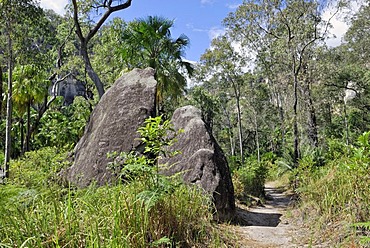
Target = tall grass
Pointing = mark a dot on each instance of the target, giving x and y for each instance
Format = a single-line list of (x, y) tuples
[(339, 192), (35, 211)]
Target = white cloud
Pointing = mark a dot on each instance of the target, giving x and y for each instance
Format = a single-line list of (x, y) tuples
[(203, 2), (56, 5), (233, 6), (340, 27), (338, 30), (214, 32)]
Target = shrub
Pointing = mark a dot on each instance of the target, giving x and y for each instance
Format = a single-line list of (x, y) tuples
[(249, 180), (62, 127), (39, 168)]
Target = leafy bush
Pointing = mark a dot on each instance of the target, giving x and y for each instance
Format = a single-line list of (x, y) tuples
[(38, 169), (63, 127), (249, 180)]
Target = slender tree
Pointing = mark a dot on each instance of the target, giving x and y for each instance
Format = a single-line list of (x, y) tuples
[(30, 87), (223, 62), (16, 13), (108, 51), (9, 104)]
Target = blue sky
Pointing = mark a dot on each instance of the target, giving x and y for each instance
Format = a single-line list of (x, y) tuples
[(200, 20)]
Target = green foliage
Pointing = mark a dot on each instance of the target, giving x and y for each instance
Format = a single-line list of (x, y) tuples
[(29, 87), (63, 127), (207, 103), (148, 43), (1, 156), (340, 190), (104, 217), (364, 227), (38, 169), (107, 57), (156, 135), (249, 179)]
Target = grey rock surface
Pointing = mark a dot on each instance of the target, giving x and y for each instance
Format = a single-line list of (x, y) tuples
[(113, 127), (201, 161)]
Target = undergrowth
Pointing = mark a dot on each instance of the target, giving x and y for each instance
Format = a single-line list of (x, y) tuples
[(119, 216), (249, 179), (336, 197), (149, 210)]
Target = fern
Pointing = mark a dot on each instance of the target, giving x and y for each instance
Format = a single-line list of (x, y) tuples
[(365, 227)]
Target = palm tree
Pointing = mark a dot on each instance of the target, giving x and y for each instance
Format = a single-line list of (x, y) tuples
[(148, 43), (30, 87)]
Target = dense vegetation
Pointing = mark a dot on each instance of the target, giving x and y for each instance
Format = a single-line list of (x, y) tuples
[(277, 98), (147, 210)]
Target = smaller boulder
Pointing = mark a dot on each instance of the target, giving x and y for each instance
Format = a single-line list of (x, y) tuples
[(201, 161)]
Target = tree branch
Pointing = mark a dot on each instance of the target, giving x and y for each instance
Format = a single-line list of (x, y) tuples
[(110, 10), (342, 87), (76, 21)]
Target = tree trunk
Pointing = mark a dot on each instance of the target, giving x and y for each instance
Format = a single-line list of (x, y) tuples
[(1, 93), (312, 121), (85, 39), (240, 131), (257, 138), (295, 122), (346, 122), (90, 71), (9, 106), (21, 130), (230, 131), (282, 125), (28, 134)]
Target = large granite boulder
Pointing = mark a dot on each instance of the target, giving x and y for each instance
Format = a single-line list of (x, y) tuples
[(113, 127), (201, 161)]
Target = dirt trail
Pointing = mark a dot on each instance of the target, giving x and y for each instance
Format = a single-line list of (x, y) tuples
[(267, 225)]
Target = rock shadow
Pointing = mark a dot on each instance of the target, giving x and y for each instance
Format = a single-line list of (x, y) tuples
[(276, 198), (266, 215), (249, 218)]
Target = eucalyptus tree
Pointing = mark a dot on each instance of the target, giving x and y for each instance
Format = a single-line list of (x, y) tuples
[(215, 109), (357, 37), (289, 29), (343, 94), (2, 70), (224, 65), (208, 103), (356, 57), (148, 43), (82, 11)]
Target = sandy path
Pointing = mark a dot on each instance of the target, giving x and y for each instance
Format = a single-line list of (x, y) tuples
[(267, 225)]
